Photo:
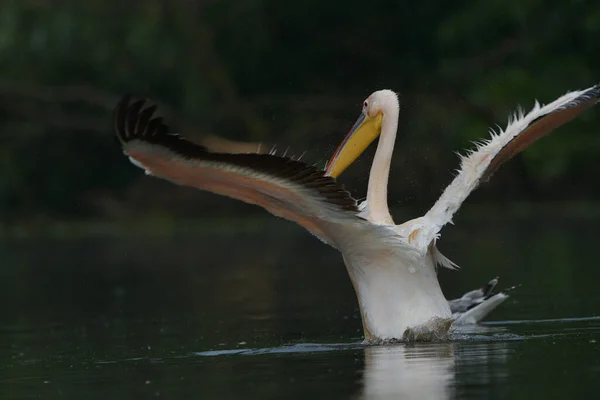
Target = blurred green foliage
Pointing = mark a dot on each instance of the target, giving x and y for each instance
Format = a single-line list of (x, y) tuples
[(290, 73)]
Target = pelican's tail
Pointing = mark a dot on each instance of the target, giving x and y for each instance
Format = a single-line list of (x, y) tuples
[(488, 289), (475, 305)]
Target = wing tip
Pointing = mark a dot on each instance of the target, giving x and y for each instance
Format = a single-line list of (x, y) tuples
[(591, 95), (134, 119), (119, 117)]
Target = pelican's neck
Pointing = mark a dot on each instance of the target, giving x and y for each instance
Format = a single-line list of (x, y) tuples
[(380, 170)]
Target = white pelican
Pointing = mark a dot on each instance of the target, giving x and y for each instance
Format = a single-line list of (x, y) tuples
[(473, 306), (392, 267)]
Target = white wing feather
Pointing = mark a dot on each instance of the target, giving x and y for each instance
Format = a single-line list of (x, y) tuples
[(476, 165)]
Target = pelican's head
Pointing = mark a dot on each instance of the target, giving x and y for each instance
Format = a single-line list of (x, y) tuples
[(366, 129)]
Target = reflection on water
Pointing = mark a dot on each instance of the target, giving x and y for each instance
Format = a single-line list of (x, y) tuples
[(206, 315), (416, 372)]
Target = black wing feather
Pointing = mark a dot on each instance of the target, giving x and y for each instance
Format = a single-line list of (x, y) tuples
[(135, 121)]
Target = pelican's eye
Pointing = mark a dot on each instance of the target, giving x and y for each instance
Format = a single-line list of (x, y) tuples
[(365, 105)]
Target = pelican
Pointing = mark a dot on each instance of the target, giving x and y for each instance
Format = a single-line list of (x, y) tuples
[(473, 306), (392, 267)]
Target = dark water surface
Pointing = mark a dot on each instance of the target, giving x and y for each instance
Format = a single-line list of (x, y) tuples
[(263, 310)]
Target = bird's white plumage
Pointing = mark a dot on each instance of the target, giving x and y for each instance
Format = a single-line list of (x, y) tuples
[(476, 314), (397, 287), (382, 283), (392, 267), (473, 166)]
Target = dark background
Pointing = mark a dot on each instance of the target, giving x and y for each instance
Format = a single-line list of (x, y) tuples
[(292, 74)]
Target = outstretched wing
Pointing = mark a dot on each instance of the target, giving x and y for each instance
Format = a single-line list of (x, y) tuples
[(287, 188), (481, 163)]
